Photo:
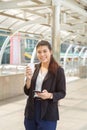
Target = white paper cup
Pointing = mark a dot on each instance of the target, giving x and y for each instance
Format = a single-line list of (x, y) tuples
[(32, 66)]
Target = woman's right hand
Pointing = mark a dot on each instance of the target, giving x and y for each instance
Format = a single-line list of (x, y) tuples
[(28, 73), (28, 76)]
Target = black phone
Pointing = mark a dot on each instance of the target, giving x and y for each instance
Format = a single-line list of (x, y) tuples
[(37, 91)]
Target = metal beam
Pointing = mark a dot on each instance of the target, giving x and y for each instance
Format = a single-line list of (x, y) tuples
[(9, 5), (34, 12), (74, 28), (73, 5), (36, 1), (66, 27), (13, 16), (19, 5), (35, 21)]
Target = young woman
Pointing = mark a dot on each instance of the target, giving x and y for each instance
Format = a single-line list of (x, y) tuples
[(44, 89)]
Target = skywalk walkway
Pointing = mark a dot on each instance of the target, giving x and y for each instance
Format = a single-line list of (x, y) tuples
[(73, 109)]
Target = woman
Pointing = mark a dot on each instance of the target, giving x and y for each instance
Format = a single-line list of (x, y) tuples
[(41, 112)]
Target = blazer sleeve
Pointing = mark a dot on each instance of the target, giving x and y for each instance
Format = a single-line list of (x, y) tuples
[(60, 90), (26, 91)]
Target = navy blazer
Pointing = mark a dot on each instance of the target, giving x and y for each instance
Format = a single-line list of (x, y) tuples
[(55, 84)]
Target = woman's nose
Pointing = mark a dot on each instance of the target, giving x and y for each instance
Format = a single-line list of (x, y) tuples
[(42, 54)]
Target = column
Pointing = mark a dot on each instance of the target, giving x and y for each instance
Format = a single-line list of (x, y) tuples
[(56, 30), (15, 50)]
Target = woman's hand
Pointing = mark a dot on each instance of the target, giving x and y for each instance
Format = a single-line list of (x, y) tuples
[(28, 73), (28, 76), (45, 95)]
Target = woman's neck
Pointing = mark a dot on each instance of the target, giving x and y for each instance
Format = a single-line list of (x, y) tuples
[(45, 65), (44, 68)]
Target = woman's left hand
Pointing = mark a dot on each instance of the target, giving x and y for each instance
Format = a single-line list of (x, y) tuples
[(44, 94)]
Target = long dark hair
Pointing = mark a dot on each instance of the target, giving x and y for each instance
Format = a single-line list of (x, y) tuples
[(53, 66)]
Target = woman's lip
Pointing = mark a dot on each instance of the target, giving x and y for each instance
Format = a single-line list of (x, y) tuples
[(43, 59)]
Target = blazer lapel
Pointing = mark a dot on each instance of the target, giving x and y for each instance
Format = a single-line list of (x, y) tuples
[(48, 77), (35, 75)]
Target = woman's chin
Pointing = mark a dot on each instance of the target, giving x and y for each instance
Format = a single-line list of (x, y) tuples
[(45, 62)]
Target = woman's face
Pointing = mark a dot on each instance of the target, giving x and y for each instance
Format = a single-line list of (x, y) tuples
[(44, 54)]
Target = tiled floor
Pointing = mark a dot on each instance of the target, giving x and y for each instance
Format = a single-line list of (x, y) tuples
[(73, 109)]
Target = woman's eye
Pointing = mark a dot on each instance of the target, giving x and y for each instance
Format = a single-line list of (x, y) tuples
[(38, 52), (44, 51)]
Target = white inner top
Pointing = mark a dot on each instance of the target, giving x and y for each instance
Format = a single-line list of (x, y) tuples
[(39, 81)]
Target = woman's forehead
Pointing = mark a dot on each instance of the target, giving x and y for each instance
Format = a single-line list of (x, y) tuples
[(42, 47)]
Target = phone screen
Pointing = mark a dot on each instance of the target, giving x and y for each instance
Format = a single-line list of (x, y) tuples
[(37, 91)]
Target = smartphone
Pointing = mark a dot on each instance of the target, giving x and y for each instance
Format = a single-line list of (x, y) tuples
[(37, 91)]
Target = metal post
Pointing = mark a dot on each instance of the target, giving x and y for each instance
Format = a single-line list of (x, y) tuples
[(56, 29), (66, 54), (84, 58)]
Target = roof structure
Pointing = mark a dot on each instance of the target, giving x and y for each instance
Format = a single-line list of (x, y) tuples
[(34, 17)]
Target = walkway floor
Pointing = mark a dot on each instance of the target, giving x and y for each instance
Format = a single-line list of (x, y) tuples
[(73, 109)]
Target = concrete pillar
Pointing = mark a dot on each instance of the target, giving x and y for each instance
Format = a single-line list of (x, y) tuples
[(15, 57), (56, 29)]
